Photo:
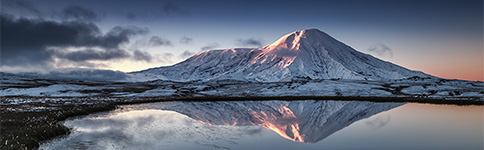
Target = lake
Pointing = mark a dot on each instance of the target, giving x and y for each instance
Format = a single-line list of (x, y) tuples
[(308, 124)]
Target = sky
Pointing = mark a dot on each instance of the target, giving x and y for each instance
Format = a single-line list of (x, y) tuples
[(443, 38)]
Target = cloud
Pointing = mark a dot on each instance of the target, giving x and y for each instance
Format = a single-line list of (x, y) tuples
[(210, 46), (170, 8), (91, 54), (116, 36), (161, 58), (140, 16), (186, 40), (21, 7), (151, 41), (381, 50), (140, 55), (250, 42), (167, 8), (30, 41), (165, 57), (131, 16), (78, 13), (158, 41), (186, 54)]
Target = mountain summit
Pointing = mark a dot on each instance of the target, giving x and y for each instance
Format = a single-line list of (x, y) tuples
[(309, 53)]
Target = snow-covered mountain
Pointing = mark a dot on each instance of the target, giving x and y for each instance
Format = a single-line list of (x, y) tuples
[(302, 121), (301, 54)]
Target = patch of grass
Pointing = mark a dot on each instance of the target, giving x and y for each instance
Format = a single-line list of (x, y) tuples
[(25, 130)]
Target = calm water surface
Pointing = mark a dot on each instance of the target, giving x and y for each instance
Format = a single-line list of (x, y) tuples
[(278, 125)]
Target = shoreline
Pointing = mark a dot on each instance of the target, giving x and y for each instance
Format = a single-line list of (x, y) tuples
[(28, 129), (150, 99)]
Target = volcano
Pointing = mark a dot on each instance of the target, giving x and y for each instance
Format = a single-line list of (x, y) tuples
[(309, 54)]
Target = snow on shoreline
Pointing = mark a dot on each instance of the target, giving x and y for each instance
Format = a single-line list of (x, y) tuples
[(421, 87)]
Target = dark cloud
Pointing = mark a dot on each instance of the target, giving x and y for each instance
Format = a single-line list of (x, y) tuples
[(100, 75), (90, 54), (158, 41), (30, 41), (381, 50), (186, 40), (250, 42), (170, 8), (116, 36), (210, 46), (78, 13), (141, 16), (79, 64), (167, 8), (131, 16), (186, 54), (19, 7), (25, 41), (140, 55)]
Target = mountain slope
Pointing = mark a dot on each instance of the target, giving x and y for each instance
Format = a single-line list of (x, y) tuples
[(302, 54)]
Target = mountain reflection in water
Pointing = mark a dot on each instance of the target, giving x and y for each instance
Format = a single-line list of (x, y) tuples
[(244, 125), (214, 125), (301, 121)]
